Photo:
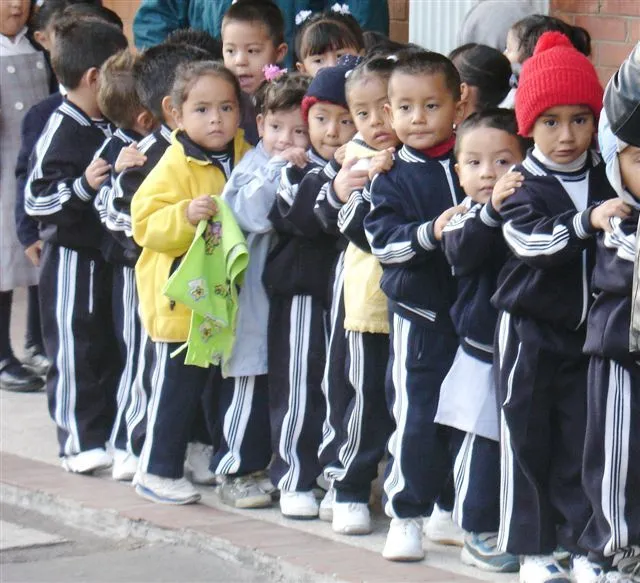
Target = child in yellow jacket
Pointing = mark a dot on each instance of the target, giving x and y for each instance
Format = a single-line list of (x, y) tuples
[(173, 199)]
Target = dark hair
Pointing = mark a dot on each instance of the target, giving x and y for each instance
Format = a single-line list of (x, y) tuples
[(87, 11), (497, 119), (263, 12), (376, 66), (81, 45), (43, 16), (376, 43), (155, 71), (188, 73), (529, 30), (197, 38), (326, 31), (117, 96), (485, 68), (429, 63), (282, 94)]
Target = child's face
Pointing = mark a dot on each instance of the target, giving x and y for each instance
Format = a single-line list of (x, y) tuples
[(330, 126), (512, 52), (563, 133), (211, 114), (280, 130), (422, 109), (311, 64), (629, 160), (13, 16), (484, 155), (246, 49), (366, 103)]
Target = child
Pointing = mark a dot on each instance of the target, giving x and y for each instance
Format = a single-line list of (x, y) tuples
[(25, 81), (325, 37), (610, 477), (487, 145), (298, 279), (176, 195), (75, 281), (543, 296), (250, 193), (424, 104)]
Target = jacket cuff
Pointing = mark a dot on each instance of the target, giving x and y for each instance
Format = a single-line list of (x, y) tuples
[(582, 224), (426, 237), (331, 169), (490, 216), (83, 190), (332, 198)]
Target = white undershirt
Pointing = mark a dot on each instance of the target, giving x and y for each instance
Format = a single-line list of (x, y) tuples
[(18, 45), (576, 188)]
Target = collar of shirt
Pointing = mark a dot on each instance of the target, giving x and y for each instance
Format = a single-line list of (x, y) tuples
[(19, 45)]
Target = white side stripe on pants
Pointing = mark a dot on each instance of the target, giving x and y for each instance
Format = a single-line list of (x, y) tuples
[(462, 474), (137, 409)]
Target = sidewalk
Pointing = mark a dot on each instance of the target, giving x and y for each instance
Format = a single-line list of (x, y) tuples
[(30, 476)]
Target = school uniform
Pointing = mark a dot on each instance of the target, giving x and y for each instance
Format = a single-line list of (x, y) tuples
[(297, 278), (541, 371), (610, 474), (418, 283), (75, 281)]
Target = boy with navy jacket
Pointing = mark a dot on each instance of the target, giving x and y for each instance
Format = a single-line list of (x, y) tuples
[(543, 294), (75, 281), (424, 95)]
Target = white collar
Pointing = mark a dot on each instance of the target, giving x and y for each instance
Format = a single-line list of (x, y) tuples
[(19, 45), (577, 164)]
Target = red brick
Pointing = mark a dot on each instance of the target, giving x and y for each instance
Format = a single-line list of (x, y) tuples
[(605, 73), (399, 9), (567, 17), (399, 31), (576, 6), (634, 29), (611, 54), (622, 7), (603, 28)]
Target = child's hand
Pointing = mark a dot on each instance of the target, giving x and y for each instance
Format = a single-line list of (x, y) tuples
[(128, 158), (33, 252), (601, 214), (97, 172), (340, 154), (443, 220), (381, 162), (505, 187), (348, 180), (297, 156), (203, 207)]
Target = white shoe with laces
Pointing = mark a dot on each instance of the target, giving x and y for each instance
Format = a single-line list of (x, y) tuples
[(87, 462), (441, 529), (197, 463), (326, 506), (629, 569), (584, 571), (298, 505), (352, 518), (404, 540), (125, 465), (542, 569), (165, 490)]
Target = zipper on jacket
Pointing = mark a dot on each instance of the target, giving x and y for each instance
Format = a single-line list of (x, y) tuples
[(92, 268)]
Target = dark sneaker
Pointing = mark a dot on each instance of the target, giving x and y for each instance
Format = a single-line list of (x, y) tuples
[(35, 361), (481, 550), (15, 377)]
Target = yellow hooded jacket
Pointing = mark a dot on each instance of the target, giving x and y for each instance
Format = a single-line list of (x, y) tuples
[(160, 227)]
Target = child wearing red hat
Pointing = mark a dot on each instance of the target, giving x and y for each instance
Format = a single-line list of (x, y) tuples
[(543, 294)]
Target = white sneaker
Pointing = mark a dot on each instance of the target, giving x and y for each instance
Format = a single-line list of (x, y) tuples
[(351, 518), (584, 571), (441, 529), (542, 569), (165, 490), (404, 540), (298, 505), (629, 569), (87, 462), (197, 463), (326, 506), (125, 465)]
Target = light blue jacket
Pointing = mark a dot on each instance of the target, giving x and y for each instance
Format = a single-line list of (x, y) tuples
[(250, 193)]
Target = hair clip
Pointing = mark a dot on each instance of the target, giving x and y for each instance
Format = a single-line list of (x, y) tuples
[(302, 16), (341, 8), (272, 72)]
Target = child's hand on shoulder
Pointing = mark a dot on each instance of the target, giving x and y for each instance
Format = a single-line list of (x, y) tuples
[(601, 215), (296, 156), (348, 179), (33, 252), (97, 172), (128, 158), (443, 220), (340, 154), (505, 187), (201, 208), (381, 162)]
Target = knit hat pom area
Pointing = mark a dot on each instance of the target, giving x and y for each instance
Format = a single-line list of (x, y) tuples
[(556, 74)]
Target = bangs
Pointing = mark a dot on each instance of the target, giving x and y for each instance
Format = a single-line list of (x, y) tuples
[(326, 36)]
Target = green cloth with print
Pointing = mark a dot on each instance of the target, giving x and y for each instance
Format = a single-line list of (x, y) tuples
[(206, 281)]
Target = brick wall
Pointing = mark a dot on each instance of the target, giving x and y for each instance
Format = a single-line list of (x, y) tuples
[(399, 20), (614, 26)]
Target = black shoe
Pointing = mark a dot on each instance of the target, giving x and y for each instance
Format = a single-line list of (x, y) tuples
[(15, 377), (35, 361)]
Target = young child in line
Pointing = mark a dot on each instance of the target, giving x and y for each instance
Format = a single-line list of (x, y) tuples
[(252, 38), (75, 281), (364, 419), (176, 195), (25, 82), (323, 38), (424, 105), (298, 279), (543, 297), (250, 193), (610, 477), (487, 145)]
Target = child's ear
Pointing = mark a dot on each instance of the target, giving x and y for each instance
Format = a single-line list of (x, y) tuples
[(91, 77), (42, 39), (459, 113), (281, 52), (301, 68), (169, 113), (260, 124), (146, 121)]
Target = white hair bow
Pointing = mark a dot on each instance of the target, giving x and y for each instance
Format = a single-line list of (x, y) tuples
[(302, 16), (341, 8)]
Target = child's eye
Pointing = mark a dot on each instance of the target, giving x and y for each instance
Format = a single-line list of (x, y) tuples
[(254, 51), (347, 122), (502, 162), (274, 126), (550, 123), (361, 114), (227, 108), (228, 51), (320, 118), (317, 61), (404, 108), (473, 162), (301, 133), (201, 109), (580, 120), (432, 106)]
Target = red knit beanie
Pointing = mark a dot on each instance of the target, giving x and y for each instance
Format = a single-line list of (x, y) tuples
[(556, 74)]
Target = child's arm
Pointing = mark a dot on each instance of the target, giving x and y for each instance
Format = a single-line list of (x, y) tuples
[(616, 255), (351, 218)]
